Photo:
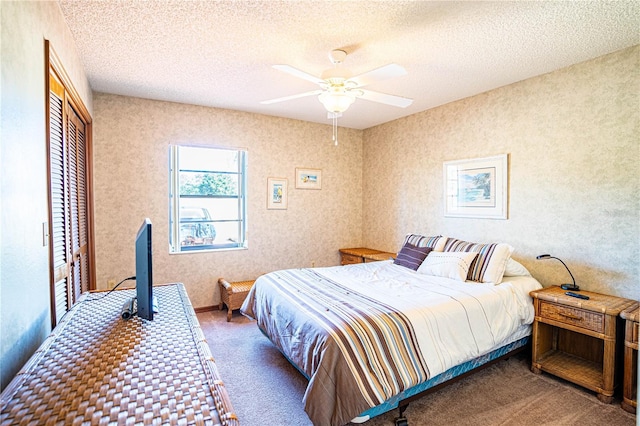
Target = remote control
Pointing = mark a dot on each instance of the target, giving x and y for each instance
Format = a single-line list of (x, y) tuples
[(579, 296)]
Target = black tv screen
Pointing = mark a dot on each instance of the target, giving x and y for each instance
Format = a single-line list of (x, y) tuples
[(144, 275)]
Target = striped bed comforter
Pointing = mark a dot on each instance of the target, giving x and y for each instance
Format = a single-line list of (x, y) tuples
[(364, 333)]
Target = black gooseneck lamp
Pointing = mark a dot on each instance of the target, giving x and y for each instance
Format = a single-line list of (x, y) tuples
[(570, 287)]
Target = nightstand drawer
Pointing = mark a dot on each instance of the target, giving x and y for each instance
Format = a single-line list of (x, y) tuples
[(578, 317), (348, 259)]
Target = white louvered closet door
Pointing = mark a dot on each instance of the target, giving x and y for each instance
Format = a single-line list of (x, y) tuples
[(68, 201)]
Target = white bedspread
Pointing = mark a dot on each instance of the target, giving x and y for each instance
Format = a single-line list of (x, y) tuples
[(335, 325), (454, 321)]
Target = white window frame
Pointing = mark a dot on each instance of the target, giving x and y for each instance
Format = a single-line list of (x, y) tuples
[(174, 202)]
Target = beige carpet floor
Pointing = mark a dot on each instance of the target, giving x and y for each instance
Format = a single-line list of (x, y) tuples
[(266, 390)]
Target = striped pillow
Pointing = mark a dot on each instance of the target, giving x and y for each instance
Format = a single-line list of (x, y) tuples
[(411, 256), (489, 265), (436, 243)]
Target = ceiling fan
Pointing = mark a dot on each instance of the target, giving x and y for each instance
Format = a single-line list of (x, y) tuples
[(339, 89)]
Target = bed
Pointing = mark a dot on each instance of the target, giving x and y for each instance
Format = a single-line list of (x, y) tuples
[(370, 336)]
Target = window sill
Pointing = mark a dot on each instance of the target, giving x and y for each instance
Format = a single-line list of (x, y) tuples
[(211, 250)]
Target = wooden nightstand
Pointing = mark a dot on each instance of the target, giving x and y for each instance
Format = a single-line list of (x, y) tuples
[(576, 339), (349, 256), (631, 315)]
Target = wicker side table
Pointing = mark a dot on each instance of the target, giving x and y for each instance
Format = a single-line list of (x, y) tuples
[(349, 256), (631, 316), (233, 294), (576, 339), (376, 257)]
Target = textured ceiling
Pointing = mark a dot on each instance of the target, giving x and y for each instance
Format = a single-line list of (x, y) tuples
[(220, 53)]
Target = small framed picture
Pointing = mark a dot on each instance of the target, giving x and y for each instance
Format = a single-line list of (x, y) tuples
[(308, 178), (277, 193)]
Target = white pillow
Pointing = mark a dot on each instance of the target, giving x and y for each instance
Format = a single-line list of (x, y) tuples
[(515, 269), (454, 265)]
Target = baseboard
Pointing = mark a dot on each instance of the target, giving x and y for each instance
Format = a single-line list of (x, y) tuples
[(206, 309)]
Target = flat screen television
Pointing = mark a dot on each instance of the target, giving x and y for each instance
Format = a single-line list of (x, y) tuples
[(144, 271)]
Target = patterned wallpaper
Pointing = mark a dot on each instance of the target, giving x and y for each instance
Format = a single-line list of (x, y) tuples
[(131, 178), (574, 172), (574, 180)]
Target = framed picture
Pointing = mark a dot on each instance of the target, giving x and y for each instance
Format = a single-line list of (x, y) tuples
[(308, 178), (476, 188), (277, 193)]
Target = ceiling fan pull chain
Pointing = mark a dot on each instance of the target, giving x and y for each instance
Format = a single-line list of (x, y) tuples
[(335, 129)]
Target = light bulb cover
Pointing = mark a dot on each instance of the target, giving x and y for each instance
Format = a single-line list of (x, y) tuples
[(336, 101)]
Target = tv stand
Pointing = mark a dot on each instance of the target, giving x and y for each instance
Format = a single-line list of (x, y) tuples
[(109, 359)]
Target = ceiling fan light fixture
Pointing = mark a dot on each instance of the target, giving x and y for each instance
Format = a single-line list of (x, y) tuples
[(336, 101)]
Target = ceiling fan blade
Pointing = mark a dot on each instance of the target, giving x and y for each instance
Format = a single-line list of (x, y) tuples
[(383, 98), (300, 74), (288, 98), (378, 74)]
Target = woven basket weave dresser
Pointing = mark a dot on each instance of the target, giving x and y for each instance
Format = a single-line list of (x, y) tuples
[(96, 368)]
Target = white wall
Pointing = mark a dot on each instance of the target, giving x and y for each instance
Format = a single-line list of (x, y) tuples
[(24, 275), (574, 181)]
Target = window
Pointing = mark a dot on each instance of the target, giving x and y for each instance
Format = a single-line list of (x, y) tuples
[(207, 198)]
